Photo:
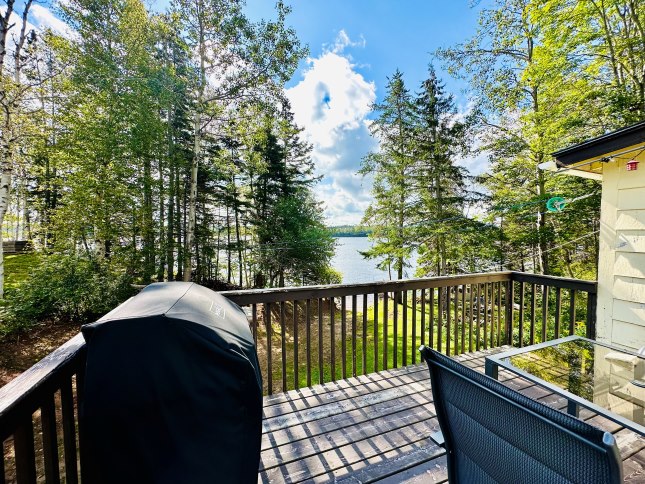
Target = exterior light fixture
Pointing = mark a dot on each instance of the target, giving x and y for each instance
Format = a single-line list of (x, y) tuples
[(632, 165)]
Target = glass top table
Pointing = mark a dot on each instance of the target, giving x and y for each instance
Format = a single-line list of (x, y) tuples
[(604, 379)]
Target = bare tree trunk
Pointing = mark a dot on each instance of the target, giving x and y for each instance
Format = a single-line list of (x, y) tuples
[(229, 268), (238, 236), (192, 201), (162, 219), (179, 226)]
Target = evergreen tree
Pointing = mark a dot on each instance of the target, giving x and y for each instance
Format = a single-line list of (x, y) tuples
[(441, 185), (392, 167)]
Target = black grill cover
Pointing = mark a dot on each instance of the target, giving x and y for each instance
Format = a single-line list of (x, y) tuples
[(173, 390)]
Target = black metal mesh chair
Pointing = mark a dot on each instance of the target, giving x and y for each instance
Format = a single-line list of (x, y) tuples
[(495, 434)]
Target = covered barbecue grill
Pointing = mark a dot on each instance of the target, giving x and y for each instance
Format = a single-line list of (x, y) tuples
[(172, 390)]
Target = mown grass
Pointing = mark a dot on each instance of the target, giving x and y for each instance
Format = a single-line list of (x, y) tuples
[(487, 330), (18, 267)]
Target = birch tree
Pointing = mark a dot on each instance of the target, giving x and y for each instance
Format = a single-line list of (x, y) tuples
[(16, 40)]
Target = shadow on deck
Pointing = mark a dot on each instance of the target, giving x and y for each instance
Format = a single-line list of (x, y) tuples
[(377, 428)]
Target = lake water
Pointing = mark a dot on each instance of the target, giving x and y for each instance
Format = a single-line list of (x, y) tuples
[(356, 269)]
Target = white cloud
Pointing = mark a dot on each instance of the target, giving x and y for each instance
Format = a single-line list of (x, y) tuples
[(342, 42), (40, 19), (45, 19), (332, 102), (476, 163)]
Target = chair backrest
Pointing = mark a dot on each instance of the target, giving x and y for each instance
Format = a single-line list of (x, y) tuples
[(494, 434)]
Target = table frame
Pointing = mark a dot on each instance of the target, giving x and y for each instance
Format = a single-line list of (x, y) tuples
[(574, 402)]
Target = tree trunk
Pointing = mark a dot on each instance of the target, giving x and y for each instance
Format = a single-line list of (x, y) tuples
[(229, 268), (192, 201), (162, 218), (238, 240), (148, 223)]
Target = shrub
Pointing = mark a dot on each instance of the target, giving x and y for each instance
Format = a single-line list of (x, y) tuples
[(64, 288)]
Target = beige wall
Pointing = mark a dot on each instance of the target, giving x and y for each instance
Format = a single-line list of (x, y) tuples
[(621, 267)]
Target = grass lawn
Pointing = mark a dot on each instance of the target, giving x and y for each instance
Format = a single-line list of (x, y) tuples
[(17, 267), (405, 332), (487, 329)]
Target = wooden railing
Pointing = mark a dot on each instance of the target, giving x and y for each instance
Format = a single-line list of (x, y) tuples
[(310, 335), (39, 419), (363, 328)]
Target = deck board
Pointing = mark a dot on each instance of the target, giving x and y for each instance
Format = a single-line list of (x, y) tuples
[(376, 428)]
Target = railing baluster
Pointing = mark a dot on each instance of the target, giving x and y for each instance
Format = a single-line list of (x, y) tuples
[(23, 443), (493, 314), (521, 316), (283, 346), (321, 364), (471, 311), (2, 465), (405, 329), (439, 319), (448, 319), (558, 310), (50, 439), (486, 316), (431, 331), (423, 316), (308, 337), (463, 318), (572, 311), (414, 326), (395, 329), (69, 431), (364, 334), (499, 313), (254, 323), (591, 315), (510, 300), (343, 335), (545, 311), (533, 304), (386, 296), (375, 331), (332, 337), (296, 379), (456, 342), (479, 312), (82, 439), (269, 330), (353, 334)]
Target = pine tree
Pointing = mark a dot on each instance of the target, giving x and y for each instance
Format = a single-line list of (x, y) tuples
[(391, 167), (441, 185)]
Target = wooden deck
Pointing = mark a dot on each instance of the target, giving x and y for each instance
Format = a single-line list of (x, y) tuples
[(377, 428)]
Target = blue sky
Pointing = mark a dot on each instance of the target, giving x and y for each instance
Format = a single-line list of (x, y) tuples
[(355, 45)]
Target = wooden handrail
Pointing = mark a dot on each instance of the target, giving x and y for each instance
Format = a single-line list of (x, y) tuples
[(25, 392), (255, 296), (554, 281)]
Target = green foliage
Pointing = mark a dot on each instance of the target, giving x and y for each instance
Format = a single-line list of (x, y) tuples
[(163, 144), (65, 288), (546, 74)]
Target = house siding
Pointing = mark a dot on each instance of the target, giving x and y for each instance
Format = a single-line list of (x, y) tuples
[(621, 267)]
